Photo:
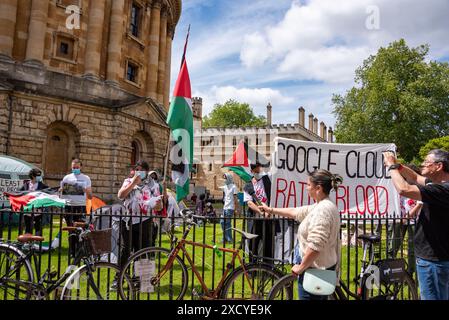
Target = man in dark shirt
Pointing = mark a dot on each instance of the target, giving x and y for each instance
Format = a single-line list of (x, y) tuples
[(432, 227)]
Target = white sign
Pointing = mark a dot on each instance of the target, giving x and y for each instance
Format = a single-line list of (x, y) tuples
[(7, 185), (367, 190), (145, 269)]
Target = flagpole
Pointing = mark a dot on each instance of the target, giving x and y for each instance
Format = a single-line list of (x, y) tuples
[(167, 153)]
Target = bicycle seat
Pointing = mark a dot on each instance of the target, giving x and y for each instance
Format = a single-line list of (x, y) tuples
[(374, 238), (28, 237), (246, 235)]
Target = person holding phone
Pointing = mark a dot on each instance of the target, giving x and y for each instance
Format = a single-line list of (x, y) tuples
[(139, 201)]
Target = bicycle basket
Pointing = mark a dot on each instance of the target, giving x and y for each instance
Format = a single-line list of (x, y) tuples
[(99, 241), (391, 270)]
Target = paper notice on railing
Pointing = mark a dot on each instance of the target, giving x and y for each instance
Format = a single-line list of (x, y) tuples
[(145, 270)]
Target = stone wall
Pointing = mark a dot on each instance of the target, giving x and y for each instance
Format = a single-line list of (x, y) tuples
[(103, 142)]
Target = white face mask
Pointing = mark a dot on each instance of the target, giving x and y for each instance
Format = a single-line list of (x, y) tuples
[(259, 175)]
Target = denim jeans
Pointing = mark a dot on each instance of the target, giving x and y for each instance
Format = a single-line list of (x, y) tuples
[(226, 226), (433, 278)]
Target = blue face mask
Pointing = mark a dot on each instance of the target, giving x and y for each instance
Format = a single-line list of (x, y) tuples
[(76, 171), (142, 174), (39, 179)]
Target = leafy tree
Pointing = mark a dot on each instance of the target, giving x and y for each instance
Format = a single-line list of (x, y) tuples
[(233, 113), (398, 97), (437, 143)]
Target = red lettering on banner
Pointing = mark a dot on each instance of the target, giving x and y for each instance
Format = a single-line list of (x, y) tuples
[(302, 192), (291, 193), (280, 191), (357, 199), (342, 198), (386, 199), (374, 211), (348, 202)]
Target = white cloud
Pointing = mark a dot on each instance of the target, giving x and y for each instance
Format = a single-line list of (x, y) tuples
[(257, 98), (332, 64), (326, 40), (277, 45)]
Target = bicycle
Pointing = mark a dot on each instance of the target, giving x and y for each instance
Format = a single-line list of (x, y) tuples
[(384, 279), (161, 273), (90, 281)]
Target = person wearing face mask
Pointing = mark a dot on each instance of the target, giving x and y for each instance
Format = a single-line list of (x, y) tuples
[(35, 183), (76, 188), (139, 198), (259, 190), (229, 203)]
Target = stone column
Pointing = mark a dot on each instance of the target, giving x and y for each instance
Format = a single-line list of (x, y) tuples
[(162, 55), (153, 59), (8, 14), (301, 116), (170, 34), (36, 30), (115, 41), (94, 39)]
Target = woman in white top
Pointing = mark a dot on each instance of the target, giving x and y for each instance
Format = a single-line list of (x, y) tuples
[(319, 231)]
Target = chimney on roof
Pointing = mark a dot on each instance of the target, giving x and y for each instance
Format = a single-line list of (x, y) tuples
[(301, 116), (330, 135), (269, 111), (311, 122), (323, 131), (315, 125)]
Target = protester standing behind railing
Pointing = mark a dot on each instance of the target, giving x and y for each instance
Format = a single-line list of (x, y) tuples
[(136, 192), (35, 183), (75, 187), (319, 231), (229, 205), (258, 190), (432, 227)]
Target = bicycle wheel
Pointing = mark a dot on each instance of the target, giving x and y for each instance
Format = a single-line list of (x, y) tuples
[(95, 285), (261, 279), (144, 266), (14, 269), (286, 288), (402, 290)]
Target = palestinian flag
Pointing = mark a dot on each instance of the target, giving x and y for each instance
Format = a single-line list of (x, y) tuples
[(180, 121), (239, 163), (35, 199)]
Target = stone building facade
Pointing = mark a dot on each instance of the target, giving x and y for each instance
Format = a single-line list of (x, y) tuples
[(214, 146), (99, 92)]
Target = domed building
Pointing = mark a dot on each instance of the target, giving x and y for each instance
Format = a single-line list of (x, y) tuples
[(87, 79)]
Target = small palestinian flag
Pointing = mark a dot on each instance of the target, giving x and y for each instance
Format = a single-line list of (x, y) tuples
[(36, 199), (239, 163)]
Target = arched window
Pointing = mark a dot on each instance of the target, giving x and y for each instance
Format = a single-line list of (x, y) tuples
[(135, 152)]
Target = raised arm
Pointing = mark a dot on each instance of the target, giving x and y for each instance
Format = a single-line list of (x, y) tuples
[(292, 213)]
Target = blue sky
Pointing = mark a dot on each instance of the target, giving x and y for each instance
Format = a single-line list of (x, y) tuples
[(296, 53)]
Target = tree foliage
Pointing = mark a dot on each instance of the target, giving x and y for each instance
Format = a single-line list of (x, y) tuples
[(399, 97), (437, 143), (233, 113)]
